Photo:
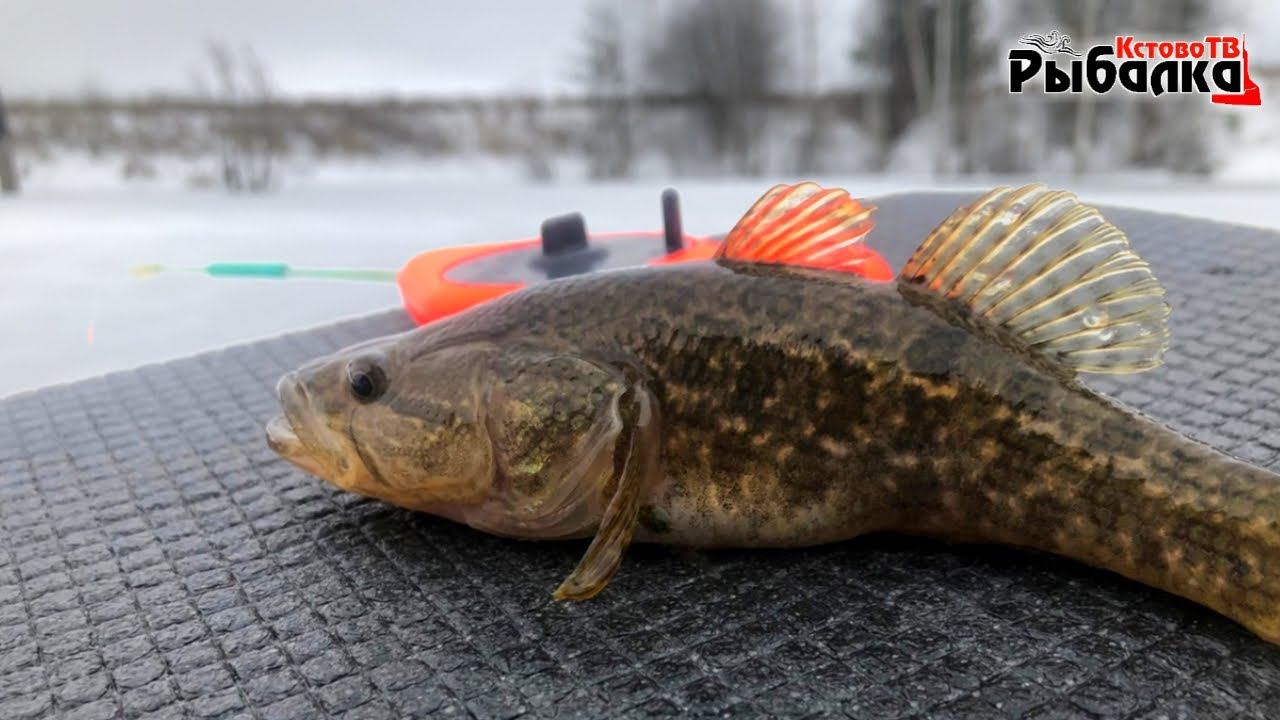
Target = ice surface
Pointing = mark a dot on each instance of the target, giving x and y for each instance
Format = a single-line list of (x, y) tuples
[(65, 247)]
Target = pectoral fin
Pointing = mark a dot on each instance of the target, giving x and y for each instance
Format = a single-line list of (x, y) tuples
[(638, 468)]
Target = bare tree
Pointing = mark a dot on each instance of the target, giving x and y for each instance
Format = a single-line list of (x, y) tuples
[(1090, 10), (819, 119), (974, 61), (1081, 21), (1174, 133), (932, 60), (537, 141), (249, 136), (8, 173), (943, 87), (915, 35), (602, 73), (894, 43), (726, 55), (1177, 133), (95, 121)]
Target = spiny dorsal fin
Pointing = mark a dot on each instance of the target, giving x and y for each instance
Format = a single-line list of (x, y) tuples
[(1053, 273), (806, 225)]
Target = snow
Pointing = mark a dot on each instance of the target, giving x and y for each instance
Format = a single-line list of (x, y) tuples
[(67, 243), (1254, 154)]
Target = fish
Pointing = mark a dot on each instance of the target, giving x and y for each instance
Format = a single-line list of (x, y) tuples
[(780, 396)]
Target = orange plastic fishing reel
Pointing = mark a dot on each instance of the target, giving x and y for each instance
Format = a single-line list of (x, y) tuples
[(439, 283)]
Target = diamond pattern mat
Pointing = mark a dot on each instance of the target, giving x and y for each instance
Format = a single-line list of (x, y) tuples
[(159, 561)]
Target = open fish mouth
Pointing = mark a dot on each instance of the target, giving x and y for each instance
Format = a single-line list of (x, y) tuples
[(282, 430), (282, 438)]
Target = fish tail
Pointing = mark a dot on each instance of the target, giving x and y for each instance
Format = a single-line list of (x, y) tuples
[(1119, 491), (1177, 515), (1211, 532)]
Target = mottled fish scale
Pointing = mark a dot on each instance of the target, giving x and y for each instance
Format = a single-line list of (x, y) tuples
[(743, 404), (802, 409)]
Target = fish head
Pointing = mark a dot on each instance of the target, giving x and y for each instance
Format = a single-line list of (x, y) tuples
[(507, 438), (392, 420)]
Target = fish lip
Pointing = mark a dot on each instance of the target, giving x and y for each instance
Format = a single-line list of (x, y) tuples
[(282, 430), (282, 438), (282, 433)]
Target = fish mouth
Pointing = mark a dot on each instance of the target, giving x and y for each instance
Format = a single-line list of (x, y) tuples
[(282, 430), (282, 438)]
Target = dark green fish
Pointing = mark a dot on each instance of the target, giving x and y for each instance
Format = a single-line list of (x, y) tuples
[(759, 401)]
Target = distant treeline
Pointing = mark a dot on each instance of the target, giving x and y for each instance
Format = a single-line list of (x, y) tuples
[(704, 87), (419, 126)]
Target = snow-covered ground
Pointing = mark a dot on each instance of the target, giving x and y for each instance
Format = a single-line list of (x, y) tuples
[(70, 308)]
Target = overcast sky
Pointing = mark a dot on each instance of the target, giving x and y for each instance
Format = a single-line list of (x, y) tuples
[(325, 47), (328, 47), (311, 46)]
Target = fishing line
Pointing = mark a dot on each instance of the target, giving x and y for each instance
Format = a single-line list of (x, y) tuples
[(280, 271)]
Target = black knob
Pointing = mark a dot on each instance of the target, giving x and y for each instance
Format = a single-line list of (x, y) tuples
[(564, 234), (672, 228)]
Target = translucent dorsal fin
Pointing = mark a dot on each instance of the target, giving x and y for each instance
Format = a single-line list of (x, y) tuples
[(1051, 272), (807, 225)]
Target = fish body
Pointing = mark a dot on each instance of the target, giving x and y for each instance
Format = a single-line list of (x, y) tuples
[(747, 404)]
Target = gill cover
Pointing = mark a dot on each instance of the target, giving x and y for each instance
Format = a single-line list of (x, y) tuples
[(1045, 269), (576, 446)]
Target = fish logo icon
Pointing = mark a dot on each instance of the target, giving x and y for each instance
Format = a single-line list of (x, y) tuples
[(1053, 44)]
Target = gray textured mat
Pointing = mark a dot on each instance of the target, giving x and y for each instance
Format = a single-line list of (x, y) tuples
[(158, 560)]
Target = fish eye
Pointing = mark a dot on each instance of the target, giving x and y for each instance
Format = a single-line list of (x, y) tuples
[(366, 380)]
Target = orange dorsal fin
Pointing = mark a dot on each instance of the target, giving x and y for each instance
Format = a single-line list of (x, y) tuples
[(807, 225)]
